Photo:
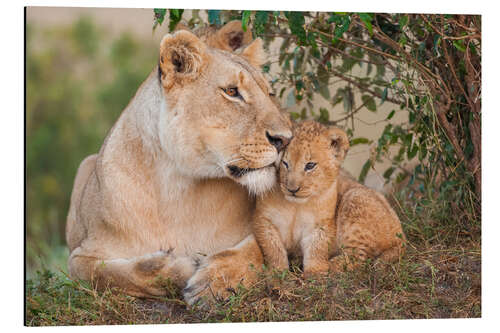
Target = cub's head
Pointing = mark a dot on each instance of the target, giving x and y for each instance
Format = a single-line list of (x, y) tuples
[(218, 118), (312, 160)]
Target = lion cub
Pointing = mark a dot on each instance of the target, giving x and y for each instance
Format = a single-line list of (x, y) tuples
[(317, 210)]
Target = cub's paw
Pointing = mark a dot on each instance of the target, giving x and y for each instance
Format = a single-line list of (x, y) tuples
[(317, 269)]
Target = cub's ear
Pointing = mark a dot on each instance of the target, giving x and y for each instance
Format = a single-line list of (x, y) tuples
[(339, 142), (182, 58), (254, 53), (231, 37)]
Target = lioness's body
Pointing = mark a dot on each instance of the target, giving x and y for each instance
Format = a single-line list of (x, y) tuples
[(162, 195), (322, 212)]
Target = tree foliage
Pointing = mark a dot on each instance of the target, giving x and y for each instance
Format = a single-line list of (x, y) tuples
[(426, 65)]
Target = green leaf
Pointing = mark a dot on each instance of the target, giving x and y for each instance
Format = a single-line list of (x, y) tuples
[(324, 91), (411, 117), (459, 45), (299, 85), (282, 91), (266, 67), (389, 172), (244, 19), (214, 17), (407, 139), (324, 115), (175, 17), (261, 18), (159, 16), (364, 171), (342, 22), (403, 39), (369, 68), (369, 102), (380, 70), (422, 152), (384, 95), (359, 141), (411, 153), (347, 98), (403, 21), (391, 114), (296, 23), (367, 20)]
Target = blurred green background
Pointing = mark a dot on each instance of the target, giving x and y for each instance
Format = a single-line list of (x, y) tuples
[(79, 78)]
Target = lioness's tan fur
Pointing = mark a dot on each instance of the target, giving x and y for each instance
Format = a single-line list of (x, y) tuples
[(322, 211), (160, 199)]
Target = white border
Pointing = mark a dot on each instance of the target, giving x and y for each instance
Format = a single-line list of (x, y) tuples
[(12, 136)]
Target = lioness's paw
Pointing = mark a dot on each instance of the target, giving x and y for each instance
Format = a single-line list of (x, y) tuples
[(152, 263), (166, 265), (216, 280), (205, 287)]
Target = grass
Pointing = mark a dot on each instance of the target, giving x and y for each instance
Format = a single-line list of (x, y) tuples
[(439, 277)]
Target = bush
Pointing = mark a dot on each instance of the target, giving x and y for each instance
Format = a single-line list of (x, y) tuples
[(426, 65)]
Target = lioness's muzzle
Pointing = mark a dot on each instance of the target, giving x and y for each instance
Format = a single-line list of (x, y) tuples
[(238, 172)]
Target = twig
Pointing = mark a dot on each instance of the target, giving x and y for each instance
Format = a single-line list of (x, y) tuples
[(334, 122), (387, 55)]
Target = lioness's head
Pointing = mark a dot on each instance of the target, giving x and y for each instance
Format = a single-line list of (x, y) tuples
[(218, 119), (312, 160)]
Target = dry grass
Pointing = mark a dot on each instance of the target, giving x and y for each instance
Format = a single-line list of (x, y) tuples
[(439, 277)]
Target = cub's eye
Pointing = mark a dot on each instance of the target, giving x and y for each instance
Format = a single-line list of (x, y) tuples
[(232, 91), (285, 164), (272, 94), (310, 166)]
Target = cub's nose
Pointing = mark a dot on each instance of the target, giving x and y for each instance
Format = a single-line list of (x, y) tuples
[(278, 141), (293, 191)]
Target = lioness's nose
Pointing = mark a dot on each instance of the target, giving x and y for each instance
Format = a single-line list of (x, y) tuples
[(278, 141)]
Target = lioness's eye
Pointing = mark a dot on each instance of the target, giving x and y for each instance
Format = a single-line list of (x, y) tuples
[(310, 166), (272, 94), (285, 164), (232, 91)]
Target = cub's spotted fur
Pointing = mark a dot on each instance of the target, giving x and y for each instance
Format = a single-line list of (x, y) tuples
[(318, 211)]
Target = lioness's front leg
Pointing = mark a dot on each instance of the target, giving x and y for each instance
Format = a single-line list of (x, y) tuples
[(138, 276), (222, 272)]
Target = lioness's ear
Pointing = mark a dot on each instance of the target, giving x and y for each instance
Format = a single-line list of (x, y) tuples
[(182, 57), (231, 37), (339, 142), (181, 26), (254, 53)]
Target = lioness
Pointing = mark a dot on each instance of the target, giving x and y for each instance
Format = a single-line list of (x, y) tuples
[(172, 189), (317, 210)]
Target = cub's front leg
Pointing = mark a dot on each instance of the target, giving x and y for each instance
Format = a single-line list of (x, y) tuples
[(270, 242), (315, 251)]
